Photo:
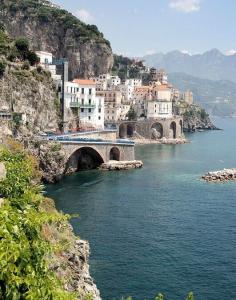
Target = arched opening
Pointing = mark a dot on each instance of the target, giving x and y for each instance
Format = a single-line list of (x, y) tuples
[(181, 126), (115, 154), (130, 130), (122, 131), (172, 133), (157, 131), (85, 158)]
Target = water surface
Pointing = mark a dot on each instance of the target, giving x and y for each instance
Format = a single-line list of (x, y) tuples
[(160, 229)]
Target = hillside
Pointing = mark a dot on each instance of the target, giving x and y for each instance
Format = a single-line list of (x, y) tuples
[(217, 97), (26, 92), (212, 64), (59, 32)]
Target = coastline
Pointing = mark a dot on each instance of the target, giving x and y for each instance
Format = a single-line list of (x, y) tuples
[(162, 141)]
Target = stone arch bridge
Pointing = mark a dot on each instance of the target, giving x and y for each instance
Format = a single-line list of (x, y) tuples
[(169, 128), (84, 155)]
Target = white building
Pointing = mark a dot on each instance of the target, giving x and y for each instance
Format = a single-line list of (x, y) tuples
[(46, 62), (106, 82), (81, 100), (161, 103), (114, 113), (127, 89), (113, 81), (159, 109)]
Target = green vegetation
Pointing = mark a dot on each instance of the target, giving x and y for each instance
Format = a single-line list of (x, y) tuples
[(17, 50), (161, 297), (131, 115), (46, 14), (24, 248), (125, 67)]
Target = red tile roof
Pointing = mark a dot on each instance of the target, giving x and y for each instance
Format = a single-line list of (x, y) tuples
[(84, 81)]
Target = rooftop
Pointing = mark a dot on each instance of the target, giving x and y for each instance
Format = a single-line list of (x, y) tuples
[(84, 81)]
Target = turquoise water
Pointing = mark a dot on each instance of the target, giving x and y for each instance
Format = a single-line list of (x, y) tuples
[(160, 229)]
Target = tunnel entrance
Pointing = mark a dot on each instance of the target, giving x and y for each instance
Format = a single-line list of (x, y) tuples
[(115, 154), (85, 158), (157, 131), (130, 130), (173, 130)]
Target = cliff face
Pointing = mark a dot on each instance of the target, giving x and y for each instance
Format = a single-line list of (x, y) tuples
[(31, 95), (59, 32), (194, 117)]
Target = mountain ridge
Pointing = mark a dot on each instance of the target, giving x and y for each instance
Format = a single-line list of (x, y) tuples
[(212, 64)]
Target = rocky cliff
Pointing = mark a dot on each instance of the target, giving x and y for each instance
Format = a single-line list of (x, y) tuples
[(31, 97), (59, 32), (195, 117)]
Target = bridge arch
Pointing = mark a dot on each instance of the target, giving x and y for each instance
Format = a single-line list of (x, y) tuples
[(157, 131), (84, 158), (115, 154), (172, 130)]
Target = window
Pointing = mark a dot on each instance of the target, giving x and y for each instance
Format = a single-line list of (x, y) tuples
[(77, 89), (82, 109), (99, 110), (99, 118), (90, 91), (82, 91), (90, 110), (71, 90), (89, 101), (89, 118), (82, 101)]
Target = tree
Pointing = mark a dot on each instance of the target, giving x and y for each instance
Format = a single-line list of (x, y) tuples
[(22, 45), (32, 58), (131, 115)]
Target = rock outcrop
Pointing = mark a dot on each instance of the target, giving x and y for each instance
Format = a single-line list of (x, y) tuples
[(220, 176), (195, 117), (121, 165), (31, 97), (3, 172), (71, 264), (57, 31)]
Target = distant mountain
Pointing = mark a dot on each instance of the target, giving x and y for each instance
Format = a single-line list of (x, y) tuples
[(212, 64), (217, 97)]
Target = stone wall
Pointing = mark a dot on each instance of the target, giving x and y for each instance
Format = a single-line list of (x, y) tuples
[(171, 128)]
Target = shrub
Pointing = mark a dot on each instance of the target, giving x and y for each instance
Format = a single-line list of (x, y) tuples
[(22, 45), (2, 67), (25, 66), (32, 58), (24, 251)]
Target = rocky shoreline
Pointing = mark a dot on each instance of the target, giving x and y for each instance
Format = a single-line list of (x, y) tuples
[(220, 176), (121, 165), (163, 141)]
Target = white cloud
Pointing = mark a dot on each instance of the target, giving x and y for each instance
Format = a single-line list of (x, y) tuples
[(150, 52), (186, 6), (230, 52), (84, 15), (186, 52)]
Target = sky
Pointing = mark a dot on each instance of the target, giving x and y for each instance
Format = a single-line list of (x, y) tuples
[(141, 27)]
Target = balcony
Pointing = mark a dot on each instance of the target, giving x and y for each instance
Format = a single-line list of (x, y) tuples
[(74, 104), (87, 105)]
